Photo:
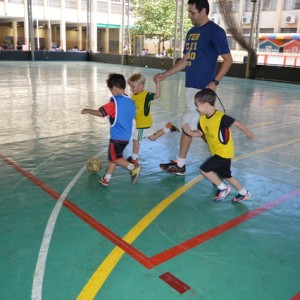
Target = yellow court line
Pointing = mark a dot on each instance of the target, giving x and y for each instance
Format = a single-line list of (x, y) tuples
[(260, 124), (96, 281), (100, 275)]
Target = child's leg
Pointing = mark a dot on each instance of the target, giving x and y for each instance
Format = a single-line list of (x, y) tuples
[(111, 168), (104, 180), (134, 169), (235, 183), (214, 167), (243, 194), (170, 127), (212, 177), (137, 137), (122, 162), (136, 149), (156, 135)]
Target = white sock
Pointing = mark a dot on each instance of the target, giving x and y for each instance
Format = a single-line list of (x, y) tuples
[(167, 130), (181, 162), (107, 176), (135, 156), (243, 192), (222, 186), (130, 167)]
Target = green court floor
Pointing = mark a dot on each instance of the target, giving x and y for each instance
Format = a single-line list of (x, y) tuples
[(65, 236)]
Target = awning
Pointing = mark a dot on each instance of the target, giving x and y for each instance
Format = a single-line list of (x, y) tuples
[(279, 36)]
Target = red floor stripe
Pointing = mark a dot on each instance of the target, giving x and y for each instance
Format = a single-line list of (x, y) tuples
[(174, 282), (201, 238), (296, 297), (137, 255), (167, 254)]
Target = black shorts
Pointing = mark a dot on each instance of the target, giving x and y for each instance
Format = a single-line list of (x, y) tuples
[(116, 149), (219, 165)]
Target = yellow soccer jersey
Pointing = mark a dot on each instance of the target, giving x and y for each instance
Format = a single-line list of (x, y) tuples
[(142, 103), (218, 134)]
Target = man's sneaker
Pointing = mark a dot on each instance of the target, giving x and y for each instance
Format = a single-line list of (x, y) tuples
[(172, 127), (221, 194), (133, 161), (103, 181), (240, 198), (135, 174), (172, 168)]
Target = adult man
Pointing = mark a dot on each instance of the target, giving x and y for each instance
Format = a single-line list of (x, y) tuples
[(204, 43)]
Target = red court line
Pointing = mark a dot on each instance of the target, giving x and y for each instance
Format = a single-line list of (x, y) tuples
[(296, 297), (133, 252), (174, 282), (203, 237), (130, 250)]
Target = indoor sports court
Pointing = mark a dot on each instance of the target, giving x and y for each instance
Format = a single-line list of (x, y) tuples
[(65, 236)]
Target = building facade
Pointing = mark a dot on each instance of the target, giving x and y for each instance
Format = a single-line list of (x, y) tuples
[(102, 25)]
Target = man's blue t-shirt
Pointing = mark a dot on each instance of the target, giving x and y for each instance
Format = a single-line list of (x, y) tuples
[(203, 45)]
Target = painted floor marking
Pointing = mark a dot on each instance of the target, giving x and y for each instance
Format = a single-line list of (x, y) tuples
[(98, 278), (100, 275), (174, 282), (37, 286), (205, 236), (296, 297), (126, 247), (115, 239)]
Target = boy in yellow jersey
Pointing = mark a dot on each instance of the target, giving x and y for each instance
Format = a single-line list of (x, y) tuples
[(214, 128), (143, 118)]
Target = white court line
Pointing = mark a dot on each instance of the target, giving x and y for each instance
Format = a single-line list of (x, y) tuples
[(37, 285)]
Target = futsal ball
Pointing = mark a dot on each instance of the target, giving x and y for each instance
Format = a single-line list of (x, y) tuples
[(93, 165)]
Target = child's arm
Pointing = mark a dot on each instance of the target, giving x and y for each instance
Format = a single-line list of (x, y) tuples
[(93, 112), (194, 133), (158, 88), (241, 126)]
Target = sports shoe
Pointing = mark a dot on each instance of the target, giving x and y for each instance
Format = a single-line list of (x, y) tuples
[(133, 161), (103, 181), (240, 198), (221, 194), (172, 127), (172, 168), (135, 174)]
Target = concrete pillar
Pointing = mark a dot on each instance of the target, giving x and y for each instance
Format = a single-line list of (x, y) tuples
[(15, 34), (26, 28), (93, 36), (79, 38), (49, 37), (62, 41), (106, 41)]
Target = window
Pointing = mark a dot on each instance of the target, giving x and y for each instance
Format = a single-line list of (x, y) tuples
[(215, 8), (269, 5), (266, 30), (71, 3), (288, 30), (55, 3), (233, 6), (291, 4), (231, 42), (116, 8), (84, 4), (102, 6), (248, 5)]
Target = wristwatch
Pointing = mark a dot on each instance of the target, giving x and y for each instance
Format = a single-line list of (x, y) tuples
[(216, 82)]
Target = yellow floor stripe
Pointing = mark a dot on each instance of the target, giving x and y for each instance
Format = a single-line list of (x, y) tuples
[(100, 275), (95, 283)]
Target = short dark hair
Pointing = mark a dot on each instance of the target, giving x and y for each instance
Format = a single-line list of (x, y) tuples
[(200, 4), (206, 95), (117, 80)]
